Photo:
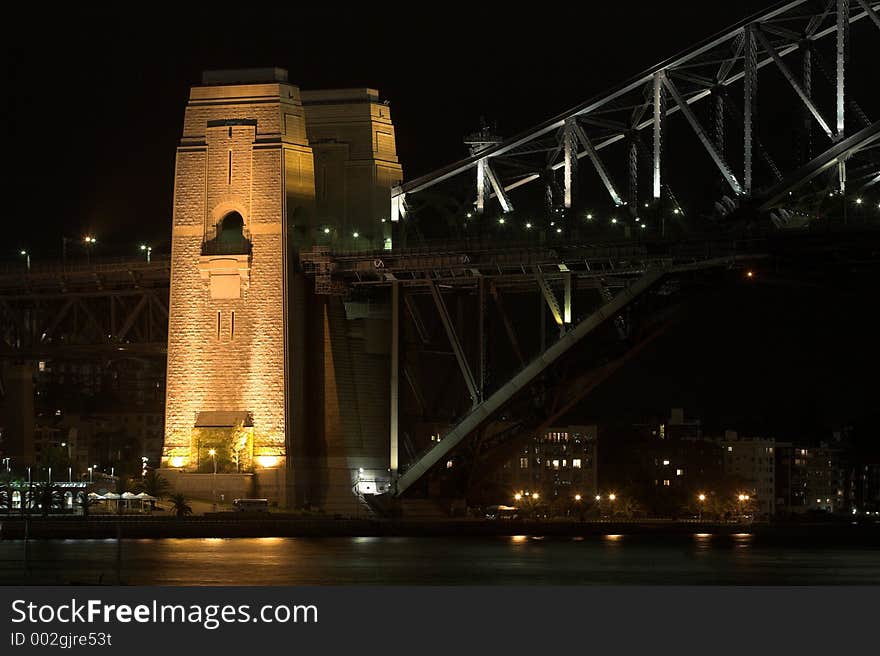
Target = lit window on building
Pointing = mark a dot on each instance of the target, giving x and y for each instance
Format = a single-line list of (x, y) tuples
[(576, 463), (448, 464), (665, 462), (555, 464), (679, 472), (666, 482), (523, 463), (42, 365)]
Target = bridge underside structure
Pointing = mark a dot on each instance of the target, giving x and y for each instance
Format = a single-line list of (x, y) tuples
[(492, 347)]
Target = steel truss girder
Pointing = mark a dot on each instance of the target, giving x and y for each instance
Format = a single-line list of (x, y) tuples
[(778, 14), (831, 157), (46, 322), (455, 343), (703, 137)]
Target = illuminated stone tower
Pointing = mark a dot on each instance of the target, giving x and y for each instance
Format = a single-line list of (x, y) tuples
[(284, 389), (243, 165)]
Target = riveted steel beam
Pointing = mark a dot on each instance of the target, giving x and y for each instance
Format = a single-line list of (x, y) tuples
[(500, 193), (659, 113), (570, 148)]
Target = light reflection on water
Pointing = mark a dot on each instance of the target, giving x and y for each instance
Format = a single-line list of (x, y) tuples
[(605, 559)]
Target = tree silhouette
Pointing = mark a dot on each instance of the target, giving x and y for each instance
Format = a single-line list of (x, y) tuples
[(154, 484), (180, 506)]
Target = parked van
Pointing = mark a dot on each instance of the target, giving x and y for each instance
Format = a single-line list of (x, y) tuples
[(251, 505)]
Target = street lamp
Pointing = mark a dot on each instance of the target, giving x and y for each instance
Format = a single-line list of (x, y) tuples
[(27, 257), (89, 241), (612, 497), (702, 498), (213, 454), (577, 497), (517, 497), (147, 250)]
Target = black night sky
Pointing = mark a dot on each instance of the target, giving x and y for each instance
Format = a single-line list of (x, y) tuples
[(94, 107), (96, 101)]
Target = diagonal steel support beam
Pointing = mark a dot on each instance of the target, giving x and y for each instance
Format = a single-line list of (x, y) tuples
[(817, 20), (65, 309), (841, 150), (508, 325), (703, 137), (503, 198), (597, 162), (549, 296), (417, 318), (786, 72), (132, 317), (457, 349), (727, 66), (872, 14)]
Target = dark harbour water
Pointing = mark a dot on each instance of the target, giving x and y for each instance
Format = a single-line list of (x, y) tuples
[(695, 559)]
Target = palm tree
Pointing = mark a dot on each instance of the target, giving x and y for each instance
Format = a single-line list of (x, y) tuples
[(154, 484), (180, 506), (6, 493), (6, 498), (50, 497), (82, 499)]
